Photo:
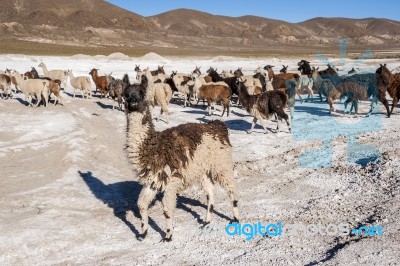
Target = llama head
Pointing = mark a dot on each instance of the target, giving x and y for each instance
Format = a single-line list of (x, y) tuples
[(382, 69), (93, 71), (197, 71), (239, 84), (134, 99), (284, 69), (160, 69), (238, 73), (268, 67), (137, 68), (304, 67), (210, 70)]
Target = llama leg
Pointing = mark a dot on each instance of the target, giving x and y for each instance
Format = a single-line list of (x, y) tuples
[(46, 99), (263, 124), (252, 125), (382, 98), (330, 102), (226, 106), (374, 102), (226, 180), (356, 106), (394, 103), (209, 108), (298, 94), (146, 195), (209, 186), (38, 100), (169, 205)]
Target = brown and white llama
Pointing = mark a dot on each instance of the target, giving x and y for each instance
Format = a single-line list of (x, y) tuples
[(389, 82), (174, 159), (262, 106)]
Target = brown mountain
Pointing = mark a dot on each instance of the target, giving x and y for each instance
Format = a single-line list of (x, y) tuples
[(99, 23)]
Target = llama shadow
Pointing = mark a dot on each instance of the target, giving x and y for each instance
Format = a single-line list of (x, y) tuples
[(198, 112), (123, 196), (22, 101), (312, 110), (183, 201), (237, 124), (77, 95), (34, 101), (240, 115), (104, 106)]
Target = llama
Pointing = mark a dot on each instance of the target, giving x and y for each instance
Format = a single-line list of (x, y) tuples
[(159, 94), (284, 69), (116, 90), (5, 86), (369, 80), (229, 81), (101, 82), (184, 84), (262, 106), (352, 90), (81, 84), (227, 74), (212, 93), (262, 75), (55, 89), (54, 86), (250, 79), (174, 159), (279, 80), (13, 79), (352, 71), (159, 70), (197, 71), (305, 82), (54, 74), (33, 87), (389, 82)]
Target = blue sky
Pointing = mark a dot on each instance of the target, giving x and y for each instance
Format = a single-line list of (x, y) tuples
[(292, 11)]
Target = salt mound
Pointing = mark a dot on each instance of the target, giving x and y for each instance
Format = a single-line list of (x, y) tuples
[(153, 57), (80, 56), (118, 56), (396, 70), (223, 58)]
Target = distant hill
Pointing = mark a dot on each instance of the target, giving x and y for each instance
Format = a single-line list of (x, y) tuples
[(98, 23)]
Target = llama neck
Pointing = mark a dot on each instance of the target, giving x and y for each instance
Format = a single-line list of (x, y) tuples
[(139, 128), (244, 97), (271, 74), (71, 76), (317, 79), (390, 75), (149, 77), (44, 69)]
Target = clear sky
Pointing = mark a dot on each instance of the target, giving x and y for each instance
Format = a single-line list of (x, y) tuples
[(288, 10)]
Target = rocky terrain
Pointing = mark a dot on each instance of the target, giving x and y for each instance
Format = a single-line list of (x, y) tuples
[(97, 23)]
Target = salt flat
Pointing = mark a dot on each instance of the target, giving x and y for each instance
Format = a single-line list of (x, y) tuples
[(68, 194)]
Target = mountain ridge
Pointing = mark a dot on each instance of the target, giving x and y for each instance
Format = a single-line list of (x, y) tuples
[(100, 23)]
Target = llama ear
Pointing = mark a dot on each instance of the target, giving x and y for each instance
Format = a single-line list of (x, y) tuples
[(317, 68)]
